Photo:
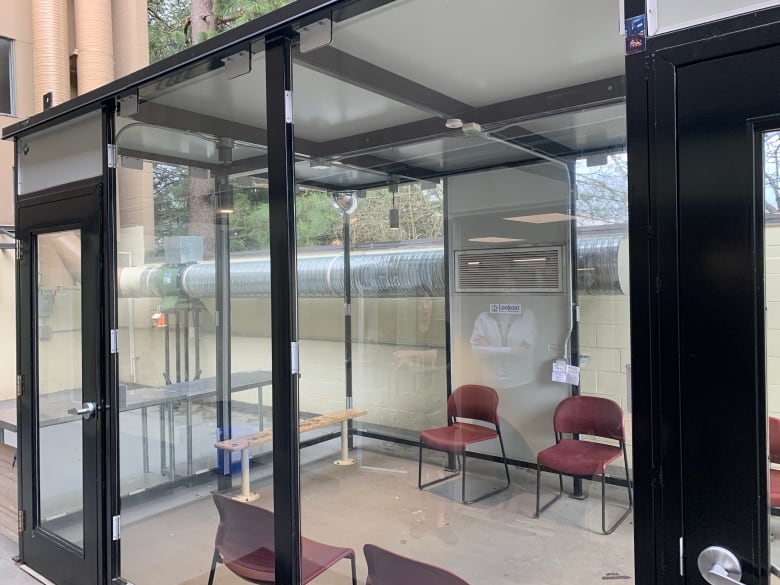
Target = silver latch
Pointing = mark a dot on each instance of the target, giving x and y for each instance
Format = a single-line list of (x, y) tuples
[(19, 384), (288, 107), (116, 527), (18, 249), (294, 357), (115, 341)]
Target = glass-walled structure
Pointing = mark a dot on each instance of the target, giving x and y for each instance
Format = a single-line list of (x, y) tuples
[(310, 302)]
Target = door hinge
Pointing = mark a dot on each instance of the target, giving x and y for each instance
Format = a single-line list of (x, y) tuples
[(294, 357), (115, 341), (111, 155), (18, 249), (682, 557), (21, 521), (288, 107), (19, 384), (116, 528)]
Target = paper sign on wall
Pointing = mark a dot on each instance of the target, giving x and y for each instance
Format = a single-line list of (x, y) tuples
[(566, 373)]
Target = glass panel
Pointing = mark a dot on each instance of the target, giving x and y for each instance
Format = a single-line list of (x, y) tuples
[(194, 316), (58, 344), (771, 168), (674, 15), (473, 217), (65, 153), (6, 77)]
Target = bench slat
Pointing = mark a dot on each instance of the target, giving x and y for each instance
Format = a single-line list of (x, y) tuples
[(309, 424)]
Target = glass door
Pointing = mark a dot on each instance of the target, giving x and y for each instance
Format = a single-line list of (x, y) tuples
[(61, 400)]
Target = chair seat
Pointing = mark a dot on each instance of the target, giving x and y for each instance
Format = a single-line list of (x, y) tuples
[(575, 457), (316, 558), (456, 437), (774, 488)]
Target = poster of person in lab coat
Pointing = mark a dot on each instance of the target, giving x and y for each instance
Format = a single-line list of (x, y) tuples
[(503, 341)]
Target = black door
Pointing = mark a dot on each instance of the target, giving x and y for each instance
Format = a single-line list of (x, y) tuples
[(709, 105), (61, 404)]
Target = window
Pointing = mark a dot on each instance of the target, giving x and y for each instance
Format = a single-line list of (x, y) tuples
[(6, 77)]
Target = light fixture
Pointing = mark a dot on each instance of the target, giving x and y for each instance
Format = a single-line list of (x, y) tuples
[(319, 164), (344, 201), (454, 123), (225, 198), (495, 240), (395, 222), (542, 218)]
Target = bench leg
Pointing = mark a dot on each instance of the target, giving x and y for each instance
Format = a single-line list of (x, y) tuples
[(345, 458), (245, 495)]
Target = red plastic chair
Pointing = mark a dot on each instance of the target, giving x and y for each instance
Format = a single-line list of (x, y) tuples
[(774, 457), (245, 544), (587, 415), (472, 402), (388, 568)]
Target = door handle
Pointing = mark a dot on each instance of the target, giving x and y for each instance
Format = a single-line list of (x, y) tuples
[(86, 411), (719, 566)]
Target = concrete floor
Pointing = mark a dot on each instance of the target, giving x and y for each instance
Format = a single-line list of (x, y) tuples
[(493, 542), (10, 574)]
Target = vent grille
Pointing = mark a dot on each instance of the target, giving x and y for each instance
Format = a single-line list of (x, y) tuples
[(537, 269)]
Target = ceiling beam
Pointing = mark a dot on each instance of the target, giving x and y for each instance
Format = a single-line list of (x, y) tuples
[(355, 71)]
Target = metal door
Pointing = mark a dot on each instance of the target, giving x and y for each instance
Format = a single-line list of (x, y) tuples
[(61, 399)]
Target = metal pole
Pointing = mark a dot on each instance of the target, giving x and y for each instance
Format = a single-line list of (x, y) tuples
[(222, 268)]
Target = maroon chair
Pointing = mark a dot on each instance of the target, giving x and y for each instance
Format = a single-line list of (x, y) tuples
[(245, 545), (774, 457), (472, 402), (388, 568), (586, 415)]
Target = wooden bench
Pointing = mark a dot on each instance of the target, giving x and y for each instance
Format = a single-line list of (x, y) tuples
[(243, 443)]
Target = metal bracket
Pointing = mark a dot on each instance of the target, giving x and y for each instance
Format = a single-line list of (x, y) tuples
[(237, 64), (19, 249), (116, 527), (19, 384), (288, 107), (115, 341), (316, 35), (21, 521), (128, 104)]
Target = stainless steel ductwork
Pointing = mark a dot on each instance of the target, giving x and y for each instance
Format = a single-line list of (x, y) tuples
[(382, 274)]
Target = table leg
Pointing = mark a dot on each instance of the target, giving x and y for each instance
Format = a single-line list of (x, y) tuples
[(145, 437), (345, 458), (245, 495), (163, 464), (171, 430), (189, 437), (260, 424)]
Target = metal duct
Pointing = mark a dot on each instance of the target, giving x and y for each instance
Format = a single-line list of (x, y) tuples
[(94, 43), (51, 67), (602, 265), (387, 274)]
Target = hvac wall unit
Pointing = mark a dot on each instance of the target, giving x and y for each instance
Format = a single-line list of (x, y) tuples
[(537, 269)]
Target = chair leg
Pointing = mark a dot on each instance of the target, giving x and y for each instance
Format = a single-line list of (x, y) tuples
[(354, 572), (420, 484), (604, 500), (539, 510), (216, 559), (463, 481)]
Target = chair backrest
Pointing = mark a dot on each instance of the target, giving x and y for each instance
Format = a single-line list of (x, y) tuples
[(245, 530), (774, 439), (388, 568), (589, 415), (474, 401)]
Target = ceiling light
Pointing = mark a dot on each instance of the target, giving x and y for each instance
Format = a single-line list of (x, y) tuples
[(542, 218), (454, 123), (319, 164), (495, 240)]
